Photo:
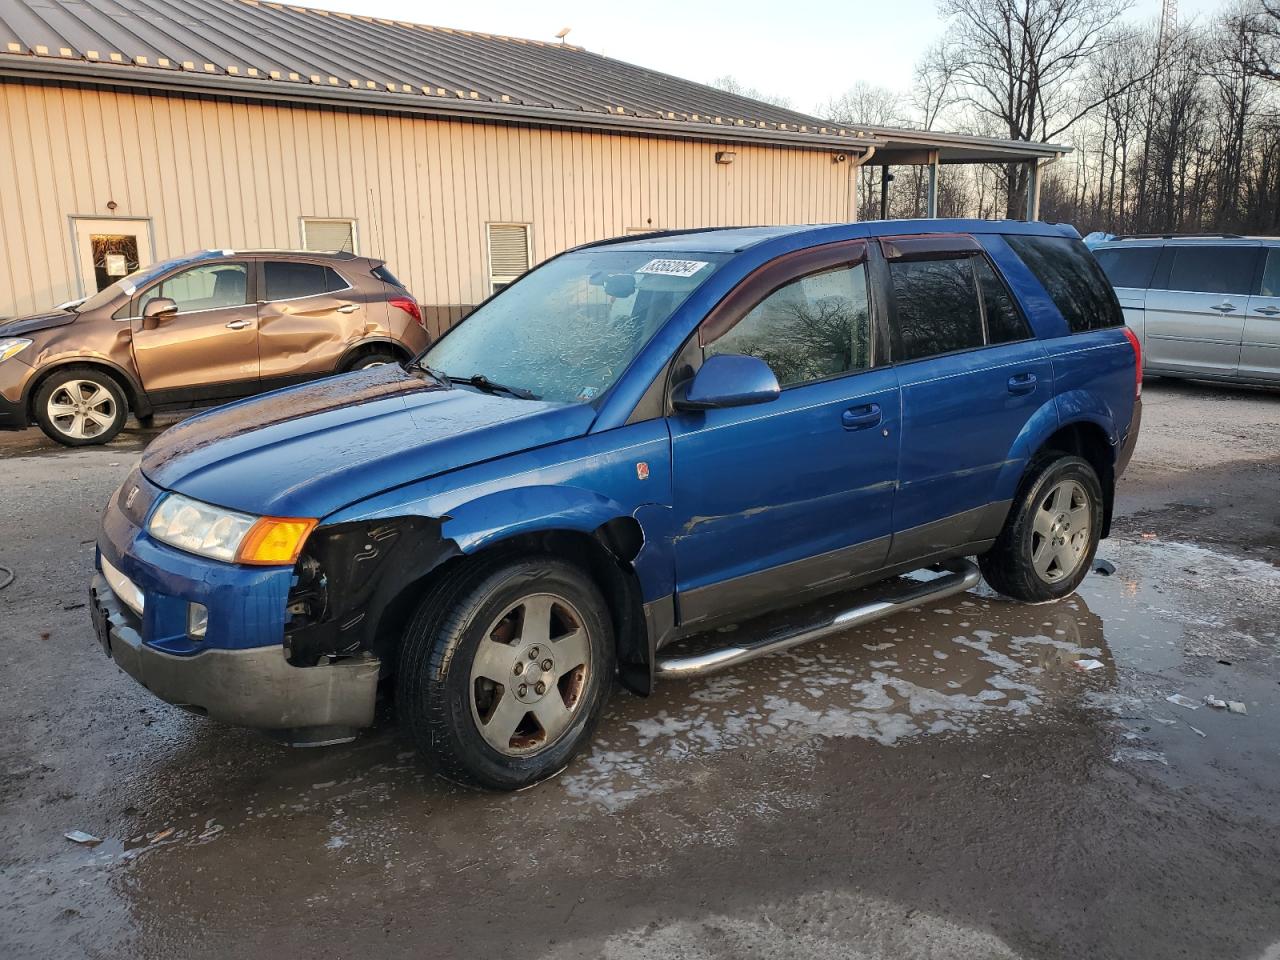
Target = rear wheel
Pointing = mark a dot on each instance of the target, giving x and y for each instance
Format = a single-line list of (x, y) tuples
[(1049, 540), (505, 669), (79, 406), (374, 358)]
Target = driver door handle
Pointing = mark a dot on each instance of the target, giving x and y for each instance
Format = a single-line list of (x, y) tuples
[(239, 324), (861, 417), (1269, 311), (349, 308), (1224, 307)]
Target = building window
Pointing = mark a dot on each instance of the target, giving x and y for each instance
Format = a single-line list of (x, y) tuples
[(328, 235), (509, 253)]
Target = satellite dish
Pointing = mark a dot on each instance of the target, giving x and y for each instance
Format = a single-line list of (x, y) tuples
[(563, 33)]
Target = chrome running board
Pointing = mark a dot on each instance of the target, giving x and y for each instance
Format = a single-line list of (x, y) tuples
[(959, 575)]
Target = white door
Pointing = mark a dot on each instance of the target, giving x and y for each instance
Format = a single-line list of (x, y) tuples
[(1260, 350), (1195, 324), (108, 249)]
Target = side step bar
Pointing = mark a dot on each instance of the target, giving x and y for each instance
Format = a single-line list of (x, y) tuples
[(959, 575)]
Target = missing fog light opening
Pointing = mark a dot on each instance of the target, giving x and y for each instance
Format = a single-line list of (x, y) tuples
[(197, 620)]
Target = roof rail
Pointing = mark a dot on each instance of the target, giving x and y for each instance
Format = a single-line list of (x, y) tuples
[(1177, 236)]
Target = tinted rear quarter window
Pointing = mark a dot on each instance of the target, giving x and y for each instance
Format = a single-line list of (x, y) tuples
[(1129, 266), (937, 306), (1005, 322), (386, 276), (1271, 275), (1211, 269), (1072, 278), (289, 279)]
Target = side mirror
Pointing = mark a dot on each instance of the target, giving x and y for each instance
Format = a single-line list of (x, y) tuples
[(156, 311), (728, 380)]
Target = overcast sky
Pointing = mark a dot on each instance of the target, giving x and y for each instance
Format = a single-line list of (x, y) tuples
[(806, 50)]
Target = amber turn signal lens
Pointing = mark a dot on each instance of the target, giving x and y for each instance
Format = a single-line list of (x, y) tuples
[(275, 541)]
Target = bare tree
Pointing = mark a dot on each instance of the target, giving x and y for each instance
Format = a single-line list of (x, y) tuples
[(1021, 62), (730, 84)]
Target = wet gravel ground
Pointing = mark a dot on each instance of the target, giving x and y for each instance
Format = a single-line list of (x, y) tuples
[(945, 784)]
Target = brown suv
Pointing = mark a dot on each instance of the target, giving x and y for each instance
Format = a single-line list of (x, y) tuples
[(197, 329)]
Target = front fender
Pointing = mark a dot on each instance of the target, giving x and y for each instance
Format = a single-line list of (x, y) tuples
[(499, 516)]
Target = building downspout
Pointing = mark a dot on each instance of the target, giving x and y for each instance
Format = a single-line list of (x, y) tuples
[(854, 169)]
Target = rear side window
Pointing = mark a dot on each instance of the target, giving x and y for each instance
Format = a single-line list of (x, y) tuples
[(1205, 269), (1129, 266), (812, 328), (1005, 322), (1271, 275), (937, 305), (1073, 280), (288, 279), (386, 276)]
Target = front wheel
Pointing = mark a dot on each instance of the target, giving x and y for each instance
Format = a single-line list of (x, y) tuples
[(79, 406), (505, 669), (1051, 535)]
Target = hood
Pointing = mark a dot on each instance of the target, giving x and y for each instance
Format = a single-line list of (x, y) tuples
[(17, 326), (307, 451)]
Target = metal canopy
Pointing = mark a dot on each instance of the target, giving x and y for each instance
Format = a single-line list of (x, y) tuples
[(273, 52)]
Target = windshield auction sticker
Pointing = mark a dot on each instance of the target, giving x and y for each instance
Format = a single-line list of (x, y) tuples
[(673, 268)]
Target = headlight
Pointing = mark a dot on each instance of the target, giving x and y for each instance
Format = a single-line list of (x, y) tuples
[(12, 345), (227, 535)]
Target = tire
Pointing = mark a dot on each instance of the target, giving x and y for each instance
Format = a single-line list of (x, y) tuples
[(1051, 535), (374, 358), (80, 406), (454, 658)]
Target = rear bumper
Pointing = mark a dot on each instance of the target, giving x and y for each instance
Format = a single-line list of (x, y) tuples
[(1125, 453), (255, 687)]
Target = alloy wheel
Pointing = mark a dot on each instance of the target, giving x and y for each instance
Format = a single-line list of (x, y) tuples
[(1060, 532), (82, 409), (529, 675)]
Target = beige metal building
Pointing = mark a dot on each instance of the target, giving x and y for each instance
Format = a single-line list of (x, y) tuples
[(135, 130)]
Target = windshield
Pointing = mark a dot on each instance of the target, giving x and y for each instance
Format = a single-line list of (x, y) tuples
[(567, 330), (128, 284)]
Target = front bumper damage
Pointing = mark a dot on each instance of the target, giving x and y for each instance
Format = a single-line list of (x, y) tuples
[(252, 687)]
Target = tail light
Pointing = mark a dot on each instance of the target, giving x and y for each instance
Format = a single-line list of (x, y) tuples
[(1137, 360), (409, 306)]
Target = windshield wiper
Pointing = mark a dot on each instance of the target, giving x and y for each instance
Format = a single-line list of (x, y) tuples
[(434, 374), (481, 382)]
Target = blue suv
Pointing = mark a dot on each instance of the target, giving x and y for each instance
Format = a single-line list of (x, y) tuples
[(637, 441)]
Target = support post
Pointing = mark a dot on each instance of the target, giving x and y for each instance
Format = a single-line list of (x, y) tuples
[(931, 201), (1033, 189), (885, 178)]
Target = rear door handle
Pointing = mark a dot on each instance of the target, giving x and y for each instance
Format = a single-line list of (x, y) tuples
[(1223, 307), (859, 418), (349, 308), (239, 324), (1269, 311), (1021, 383)]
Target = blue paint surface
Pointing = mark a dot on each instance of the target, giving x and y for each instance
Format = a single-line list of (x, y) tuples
[(718, 494)]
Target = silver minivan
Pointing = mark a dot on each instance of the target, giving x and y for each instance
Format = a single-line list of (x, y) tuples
[(1206, 307)]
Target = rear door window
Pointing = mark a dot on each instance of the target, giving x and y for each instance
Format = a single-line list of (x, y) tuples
[(937, 306), (1213, 269), (1072, 278), (1005, 322), (1129, 266), (812, 328), (289, 279)]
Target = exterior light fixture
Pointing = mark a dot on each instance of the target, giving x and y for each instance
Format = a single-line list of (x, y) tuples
[(725, 156)]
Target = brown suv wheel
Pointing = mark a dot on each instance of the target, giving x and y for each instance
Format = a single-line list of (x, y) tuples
[(78, 406)]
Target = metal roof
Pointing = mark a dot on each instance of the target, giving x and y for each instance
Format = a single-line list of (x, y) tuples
[(273, 51)]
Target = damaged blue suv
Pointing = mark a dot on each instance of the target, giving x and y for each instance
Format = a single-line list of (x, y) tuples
[(637, 441)]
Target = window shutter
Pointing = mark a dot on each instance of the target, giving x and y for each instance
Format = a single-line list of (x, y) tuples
[(329, 235), (508, 250)]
